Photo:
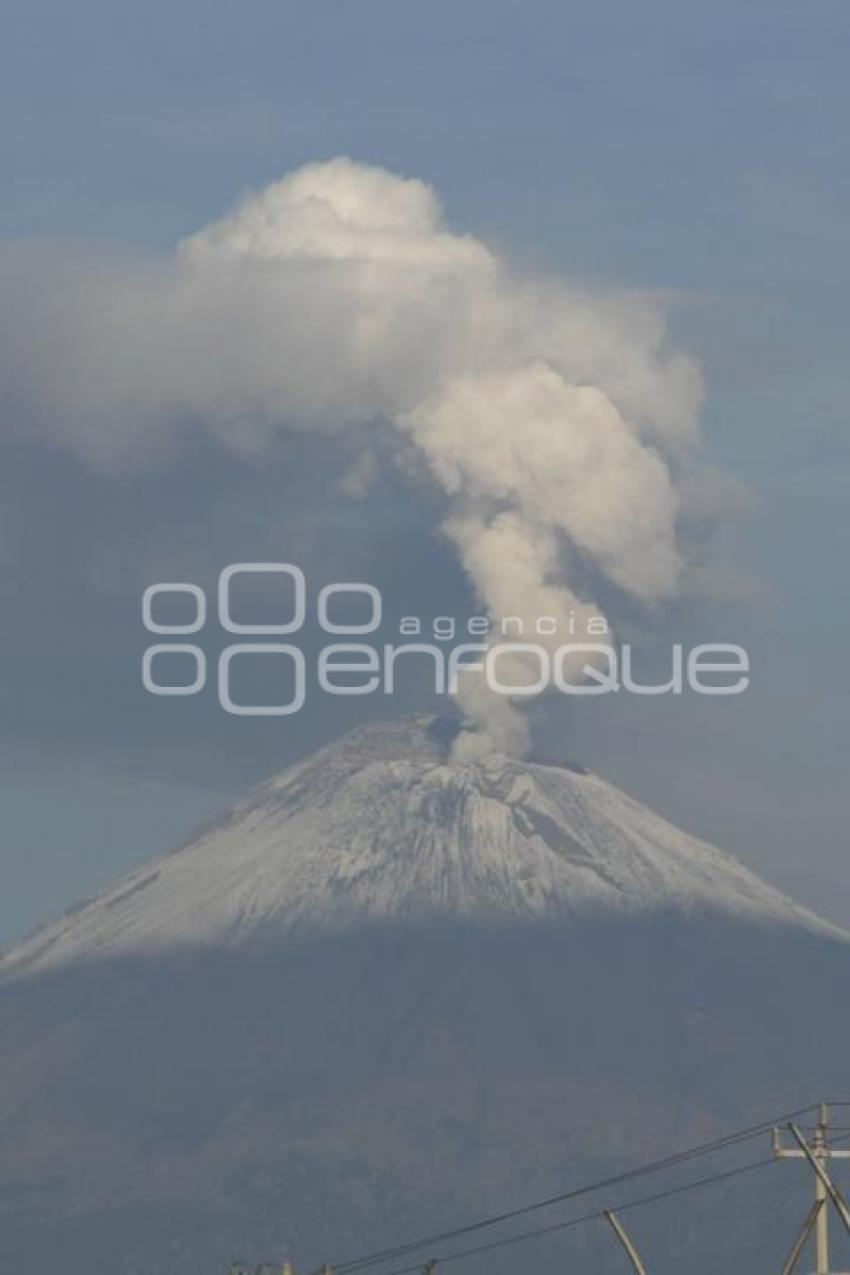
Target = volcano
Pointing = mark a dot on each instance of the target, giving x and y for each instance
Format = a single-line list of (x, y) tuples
[(386, 992)]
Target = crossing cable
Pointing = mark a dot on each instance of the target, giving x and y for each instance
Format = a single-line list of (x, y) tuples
[(584, 1218), (656, 1166)]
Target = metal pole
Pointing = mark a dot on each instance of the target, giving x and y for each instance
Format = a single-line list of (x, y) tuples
[(620, 1232), (800, 1242), (816, 1155), (822, 1223)]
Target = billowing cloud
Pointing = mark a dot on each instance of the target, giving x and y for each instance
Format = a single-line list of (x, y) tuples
[(557, 422)]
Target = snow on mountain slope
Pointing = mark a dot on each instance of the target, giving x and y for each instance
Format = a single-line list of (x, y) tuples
[(380, 827)]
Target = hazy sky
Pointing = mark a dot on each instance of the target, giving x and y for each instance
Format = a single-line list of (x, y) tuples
[(697, 150)]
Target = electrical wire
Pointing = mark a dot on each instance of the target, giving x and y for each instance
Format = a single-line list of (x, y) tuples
[(657, 1166), (597, 1215)]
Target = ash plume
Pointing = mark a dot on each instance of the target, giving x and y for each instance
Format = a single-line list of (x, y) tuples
[(556, 421)]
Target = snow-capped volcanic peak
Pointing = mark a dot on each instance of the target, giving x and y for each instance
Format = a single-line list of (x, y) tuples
[(380, 826)]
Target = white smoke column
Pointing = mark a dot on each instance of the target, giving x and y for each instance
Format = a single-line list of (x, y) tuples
[(556, 421), (560, 458), (512, 565)]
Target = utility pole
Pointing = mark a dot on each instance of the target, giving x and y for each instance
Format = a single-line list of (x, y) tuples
[(818, 1153)]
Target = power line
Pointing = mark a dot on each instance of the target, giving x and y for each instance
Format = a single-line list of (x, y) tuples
[(597, 1215), (570, 1223), (657, 1166)]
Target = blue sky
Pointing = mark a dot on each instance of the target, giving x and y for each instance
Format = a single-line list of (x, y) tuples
[(696, 149)]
